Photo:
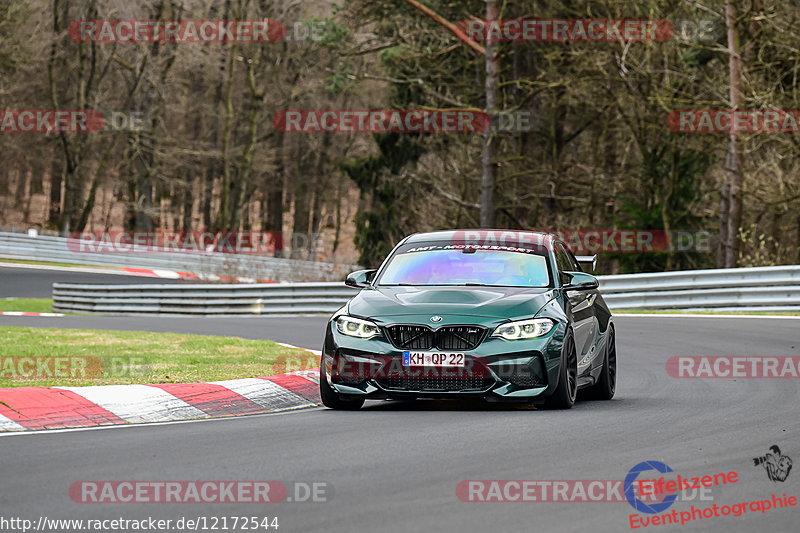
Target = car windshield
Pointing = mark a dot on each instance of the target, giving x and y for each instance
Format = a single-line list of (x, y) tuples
[(426, 266)]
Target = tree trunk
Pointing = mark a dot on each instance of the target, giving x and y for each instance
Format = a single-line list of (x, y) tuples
[(227, 192), (5, 180), (143, 167), (188, 197), (272, 213), (338, 222), (37, 177), (724, 199), (797, 250), (22, 179), (208, 196), (302, 202), (489, 149), (98, 178), (242, 189), (144, 199), (733, 160)]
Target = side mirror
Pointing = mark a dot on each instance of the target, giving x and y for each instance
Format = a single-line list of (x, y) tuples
[(580, 281), (359, 279)]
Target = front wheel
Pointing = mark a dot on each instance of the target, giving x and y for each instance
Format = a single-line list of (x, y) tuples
[(331, 399), (567, 389)]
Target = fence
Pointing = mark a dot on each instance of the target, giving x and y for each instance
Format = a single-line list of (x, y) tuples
[(764, 288), (203, 264)]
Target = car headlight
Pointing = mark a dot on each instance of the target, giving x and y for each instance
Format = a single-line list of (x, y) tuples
[(355, 327), (524, 329)]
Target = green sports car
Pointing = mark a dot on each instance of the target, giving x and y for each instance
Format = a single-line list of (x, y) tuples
[(503, 315)]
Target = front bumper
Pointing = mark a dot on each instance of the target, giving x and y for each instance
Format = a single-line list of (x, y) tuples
[(497, 369)]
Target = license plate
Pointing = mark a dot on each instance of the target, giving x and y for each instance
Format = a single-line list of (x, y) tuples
[(433, 359)]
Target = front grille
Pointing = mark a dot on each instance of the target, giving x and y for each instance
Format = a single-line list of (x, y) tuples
[(459, 337), (446, 338), (411, 337), (440, 384)]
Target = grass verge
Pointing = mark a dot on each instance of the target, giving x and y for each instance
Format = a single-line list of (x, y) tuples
[(76, 357), (27, 305)]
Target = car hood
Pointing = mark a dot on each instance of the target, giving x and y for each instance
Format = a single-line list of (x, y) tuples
[(498, 302)]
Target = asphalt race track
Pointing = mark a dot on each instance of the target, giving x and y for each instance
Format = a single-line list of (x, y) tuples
[(22, 282), (395, 466)]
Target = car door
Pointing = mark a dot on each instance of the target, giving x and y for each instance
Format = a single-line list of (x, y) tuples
[(581, 302)]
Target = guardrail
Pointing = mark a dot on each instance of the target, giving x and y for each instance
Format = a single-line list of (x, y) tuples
[(764, 288), (202, 299), (204, 264)]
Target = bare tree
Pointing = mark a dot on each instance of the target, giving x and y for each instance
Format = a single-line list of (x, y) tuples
[(489, 149), (732, 188)]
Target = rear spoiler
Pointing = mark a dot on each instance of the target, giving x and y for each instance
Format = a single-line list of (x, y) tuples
[(588, 262)]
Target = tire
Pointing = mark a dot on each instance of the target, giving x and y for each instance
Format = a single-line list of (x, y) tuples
[(567, 389), (331, 399), (607, 383)]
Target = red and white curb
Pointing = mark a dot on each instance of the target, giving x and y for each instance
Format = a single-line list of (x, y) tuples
[(145, 272), (36, 408), (123, 271), (23, 313), (173, 274), (158, 273)]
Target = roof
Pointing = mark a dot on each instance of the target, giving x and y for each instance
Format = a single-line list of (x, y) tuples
[(506, 237)]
